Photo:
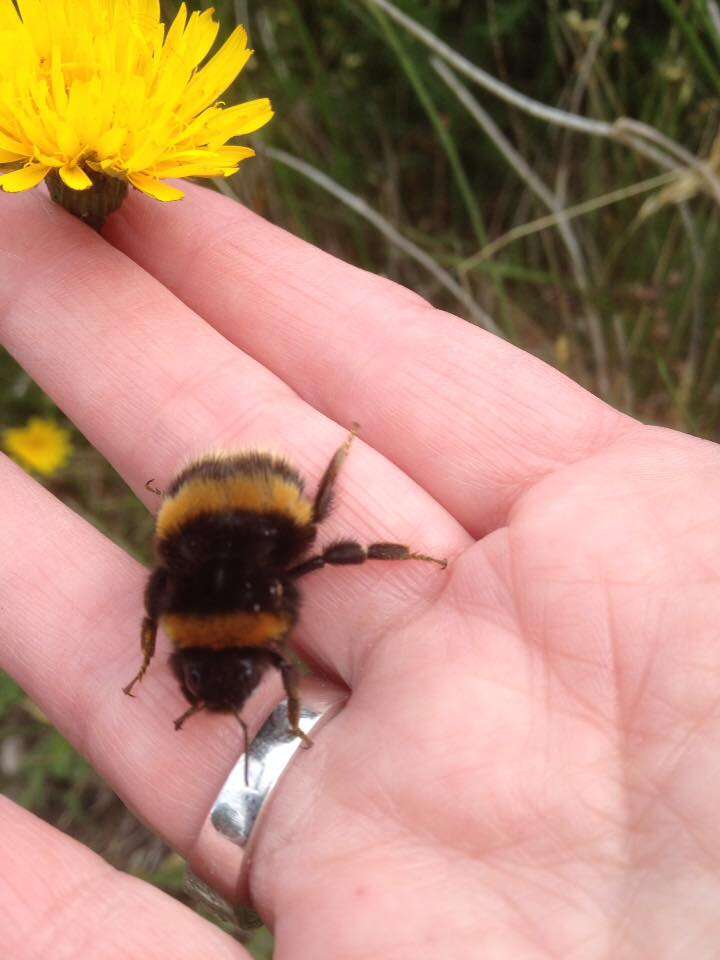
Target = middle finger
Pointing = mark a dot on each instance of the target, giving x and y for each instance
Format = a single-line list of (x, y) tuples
[(149, 383)]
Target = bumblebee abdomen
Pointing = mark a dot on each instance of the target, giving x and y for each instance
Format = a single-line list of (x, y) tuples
[(222, 631), (253, 483), (228, 530), (220, 607)]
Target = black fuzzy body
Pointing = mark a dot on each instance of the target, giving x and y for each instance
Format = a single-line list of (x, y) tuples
[(228, 564)]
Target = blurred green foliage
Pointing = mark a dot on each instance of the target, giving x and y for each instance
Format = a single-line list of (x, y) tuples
[(357, 98)]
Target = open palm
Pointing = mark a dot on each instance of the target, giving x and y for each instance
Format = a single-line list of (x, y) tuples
[(526, 766)]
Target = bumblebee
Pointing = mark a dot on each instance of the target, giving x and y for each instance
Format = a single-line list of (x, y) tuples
[(233, 537)]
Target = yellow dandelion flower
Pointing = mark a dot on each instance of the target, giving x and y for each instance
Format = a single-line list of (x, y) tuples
[(96, 94), (41, 445)]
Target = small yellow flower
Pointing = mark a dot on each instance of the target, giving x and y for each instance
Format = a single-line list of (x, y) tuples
[(98, 87), (41, 445)]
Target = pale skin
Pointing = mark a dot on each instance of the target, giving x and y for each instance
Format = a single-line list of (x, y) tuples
[(527, 767)]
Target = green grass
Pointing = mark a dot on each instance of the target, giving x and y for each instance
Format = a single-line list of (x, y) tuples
[(356, 96)]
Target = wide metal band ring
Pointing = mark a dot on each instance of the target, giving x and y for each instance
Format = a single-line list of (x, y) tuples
[(225, 843)]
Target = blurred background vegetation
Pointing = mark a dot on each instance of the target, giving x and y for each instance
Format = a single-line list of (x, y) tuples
[(377, 155)]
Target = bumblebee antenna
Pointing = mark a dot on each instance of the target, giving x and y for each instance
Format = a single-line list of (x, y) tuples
[(247, 745)]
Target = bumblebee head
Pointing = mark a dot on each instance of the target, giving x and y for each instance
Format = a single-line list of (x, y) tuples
[(221, 680)]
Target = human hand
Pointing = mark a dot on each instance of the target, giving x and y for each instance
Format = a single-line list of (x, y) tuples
[(525, 768)]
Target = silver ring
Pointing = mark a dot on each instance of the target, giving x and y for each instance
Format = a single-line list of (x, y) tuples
[(224, 845)]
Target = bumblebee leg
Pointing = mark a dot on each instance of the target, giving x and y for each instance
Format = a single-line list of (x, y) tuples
[(148, 632), (195, 708), (154, 593), (155, 490), (290, 678), (246, 747), (398, 551), (346, 552), (323, 498)]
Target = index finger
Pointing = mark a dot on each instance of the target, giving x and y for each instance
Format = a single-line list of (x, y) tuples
[(471, 418)]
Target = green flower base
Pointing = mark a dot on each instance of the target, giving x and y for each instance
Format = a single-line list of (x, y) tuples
[(93, 205)]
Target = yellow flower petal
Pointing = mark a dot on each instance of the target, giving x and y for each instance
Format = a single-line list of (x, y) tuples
[(205, 169), (235, 154), (145, 157), (7, 143), (47, 161), (175, 33), (112, 140), (57, 81), (75, 178), (154, 188), (148, 13), (8, 15), (201, 34), (24, 179), (243, 118), (217, 75)]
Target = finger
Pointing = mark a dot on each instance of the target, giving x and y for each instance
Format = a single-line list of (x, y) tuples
[(71, 605), (61, 900), (471, 418), (150, 383)]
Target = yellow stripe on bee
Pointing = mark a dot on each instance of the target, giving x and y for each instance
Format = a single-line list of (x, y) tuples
[(256, 494), (220, 631)]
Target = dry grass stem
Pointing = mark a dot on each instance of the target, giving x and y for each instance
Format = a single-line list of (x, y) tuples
[(579, 209), (542, 111), (545, 194), (391, 233)]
